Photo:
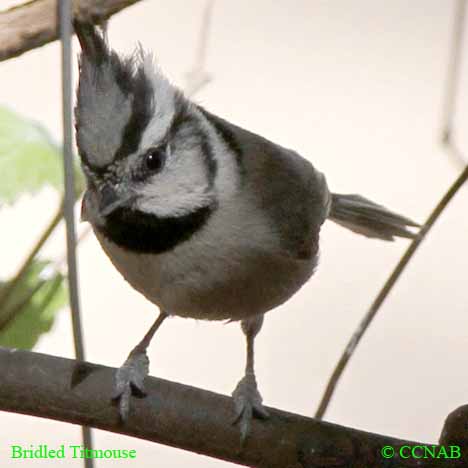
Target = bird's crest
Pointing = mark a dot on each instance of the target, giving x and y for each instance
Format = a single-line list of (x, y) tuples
[(119, 100)]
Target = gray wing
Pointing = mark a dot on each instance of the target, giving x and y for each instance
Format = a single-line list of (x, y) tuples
[(286, 186), (294, 194)]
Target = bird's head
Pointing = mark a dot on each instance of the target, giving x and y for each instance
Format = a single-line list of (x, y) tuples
[(144, 147)]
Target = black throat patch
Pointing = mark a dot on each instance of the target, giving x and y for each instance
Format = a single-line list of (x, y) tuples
[(141, 232)]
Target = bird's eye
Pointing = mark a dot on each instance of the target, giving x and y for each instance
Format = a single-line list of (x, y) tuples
[(155, 159)]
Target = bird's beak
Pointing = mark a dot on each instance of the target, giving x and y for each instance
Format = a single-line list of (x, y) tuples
[(110, 200)]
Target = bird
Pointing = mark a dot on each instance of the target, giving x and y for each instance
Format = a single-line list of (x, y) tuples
[(205, 219)]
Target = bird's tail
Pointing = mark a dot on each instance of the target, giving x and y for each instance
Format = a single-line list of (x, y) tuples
[(369, 219)]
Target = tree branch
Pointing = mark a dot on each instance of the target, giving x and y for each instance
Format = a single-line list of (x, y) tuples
[(34, 24), (455, 431), (184, 417)]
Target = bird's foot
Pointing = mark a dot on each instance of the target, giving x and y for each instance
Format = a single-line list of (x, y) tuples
[(248, 403), (128, 381)]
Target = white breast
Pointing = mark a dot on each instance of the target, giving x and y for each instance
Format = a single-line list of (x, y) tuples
[(233, 268)]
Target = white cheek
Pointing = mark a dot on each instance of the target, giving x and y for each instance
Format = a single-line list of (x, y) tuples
[(178, 202), (179, 189)]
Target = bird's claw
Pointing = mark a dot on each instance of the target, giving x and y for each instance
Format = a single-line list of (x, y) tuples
[(129, 380), (248, 403)]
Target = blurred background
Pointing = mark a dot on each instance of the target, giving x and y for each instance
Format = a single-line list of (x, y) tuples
[(357, 88)]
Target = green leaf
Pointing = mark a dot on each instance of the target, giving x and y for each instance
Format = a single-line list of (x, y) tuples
[(29, 159), (34, 303)]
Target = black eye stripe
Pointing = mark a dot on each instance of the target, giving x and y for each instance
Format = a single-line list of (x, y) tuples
[(143, 107)]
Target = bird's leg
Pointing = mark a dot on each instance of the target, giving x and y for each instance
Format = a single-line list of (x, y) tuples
[(130, 376), (247, 399)]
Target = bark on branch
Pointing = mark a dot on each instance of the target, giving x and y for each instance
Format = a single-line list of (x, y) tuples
[(186, 417), (34, 24)]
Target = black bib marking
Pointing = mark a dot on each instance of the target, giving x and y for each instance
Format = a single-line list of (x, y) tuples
[(145, 233)]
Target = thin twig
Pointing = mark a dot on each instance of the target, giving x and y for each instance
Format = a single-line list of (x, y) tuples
[(65, 17), (198, 77), (453, 82), (448, 140), (61, 261), (69, 173), (387, 287)]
